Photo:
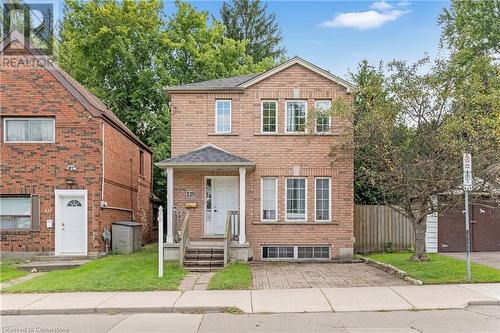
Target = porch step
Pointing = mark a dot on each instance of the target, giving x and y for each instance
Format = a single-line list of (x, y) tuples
[(214, 263), (64, 258), (204, 255), (203, 269), (51, 265)]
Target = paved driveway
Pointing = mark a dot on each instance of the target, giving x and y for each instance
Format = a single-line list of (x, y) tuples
[(488, 258), (320, 275)]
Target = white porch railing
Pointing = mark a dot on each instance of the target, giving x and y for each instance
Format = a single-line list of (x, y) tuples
[(231, 233)]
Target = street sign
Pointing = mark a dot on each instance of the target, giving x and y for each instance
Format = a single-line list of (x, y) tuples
[(467, 158), (467, 187)]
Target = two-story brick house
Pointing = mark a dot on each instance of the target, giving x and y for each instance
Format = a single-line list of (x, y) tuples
[(244, 144), (68, 166)]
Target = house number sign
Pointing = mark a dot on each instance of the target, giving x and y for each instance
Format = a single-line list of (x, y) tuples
[(190, 194)]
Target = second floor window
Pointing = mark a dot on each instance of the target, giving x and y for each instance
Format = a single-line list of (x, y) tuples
[(322, 118), (141, 162), (29, 130), (223, 116), (269, 115), (296, 116)]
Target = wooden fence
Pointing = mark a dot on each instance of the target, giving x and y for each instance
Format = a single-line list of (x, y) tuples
[(375, 226)]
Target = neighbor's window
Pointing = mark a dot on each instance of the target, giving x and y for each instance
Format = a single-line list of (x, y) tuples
[(296, 116), (322, 119), (269, 114), (269, 198), (29, 130), (141, 162), (296, 199), (223, 116), (15, 212), (323, 199)]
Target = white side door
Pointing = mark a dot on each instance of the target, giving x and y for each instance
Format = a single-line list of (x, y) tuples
[(71, 222), (225, 198)]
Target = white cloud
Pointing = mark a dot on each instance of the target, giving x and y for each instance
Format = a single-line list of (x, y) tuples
[(403, 3), (363, 20), (381, 6)]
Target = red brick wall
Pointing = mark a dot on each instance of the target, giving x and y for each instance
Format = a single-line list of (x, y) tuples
[(193, 125), (40, 168)]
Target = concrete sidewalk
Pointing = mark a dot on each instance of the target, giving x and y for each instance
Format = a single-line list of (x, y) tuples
[(256, 301)]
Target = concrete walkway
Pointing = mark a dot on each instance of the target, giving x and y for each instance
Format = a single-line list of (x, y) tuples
[(490, 258), (256, 301), (22, 279), (196, 281)]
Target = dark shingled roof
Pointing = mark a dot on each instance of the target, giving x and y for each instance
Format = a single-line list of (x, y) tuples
[(206, 156), (228, 83)]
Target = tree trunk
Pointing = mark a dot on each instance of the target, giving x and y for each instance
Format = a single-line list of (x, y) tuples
[(420, 229)]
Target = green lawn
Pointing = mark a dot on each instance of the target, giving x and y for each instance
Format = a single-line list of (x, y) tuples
[(233, 276), (8, 271), (134, 272), (440, 269)]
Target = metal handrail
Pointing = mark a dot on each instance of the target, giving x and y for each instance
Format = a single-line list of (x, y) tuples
[(183, 239)]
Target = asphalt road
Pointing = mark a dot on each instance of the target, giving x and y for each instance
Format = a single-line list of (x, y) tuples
[(475, 319)]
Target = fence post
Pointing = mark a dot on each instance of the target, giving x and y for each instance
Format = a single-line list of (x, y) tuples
[(160, 241)]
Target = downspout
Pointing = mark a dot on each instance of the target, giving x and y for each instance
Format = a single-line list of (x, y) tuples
[(105, 206)]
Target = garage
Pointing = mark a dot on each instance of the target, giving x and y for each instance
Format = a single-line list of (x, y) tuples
[(485, 229)]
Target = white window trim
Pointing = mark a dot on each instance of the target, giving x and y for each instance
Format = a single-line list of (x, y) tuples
[(262, 115), (286, 116), (295, 252), (329, 118), (329, 199), (262, 199), (230, 116), (286, 200), (29, 118)]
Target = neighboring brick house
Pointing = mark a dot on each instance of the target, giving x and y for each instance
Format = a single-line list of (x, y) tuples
[(68, 166), (243, 144)]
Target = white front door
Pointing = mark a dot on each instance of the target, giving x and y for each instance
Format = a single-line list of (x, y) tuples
[(71, 222), (223, 193)]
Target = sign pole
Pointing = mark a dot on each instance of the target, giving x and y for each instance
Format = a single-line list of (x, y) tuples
[(467, 163)]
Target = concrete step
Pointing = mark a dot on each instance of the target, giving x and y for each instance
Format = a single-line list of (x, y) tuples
[(51, 265), (63, 258), (203, 269), (207, 244), (205, 256), (203, 262)]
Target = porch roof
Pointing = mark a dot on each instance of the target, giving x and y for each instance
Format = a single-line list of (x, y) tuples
[(206, 156)]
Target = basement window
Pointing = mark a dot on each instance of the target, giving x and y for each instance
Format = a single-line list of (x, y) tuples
[(295, 252)]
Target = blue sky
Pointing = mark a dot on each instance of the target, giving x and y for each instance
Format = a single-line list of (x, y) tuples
[(336, 35)]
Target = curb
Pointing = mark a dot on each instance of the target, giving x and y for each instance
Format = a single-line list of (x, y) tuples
[(391, 269), (169, 309)]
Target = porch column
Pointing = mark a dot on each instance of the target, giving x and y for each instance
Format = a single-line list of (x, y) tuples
[(170, 205), (243, 237)]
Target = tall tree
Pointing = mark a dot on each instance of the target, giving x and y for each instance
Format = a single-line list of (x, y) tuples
[(249, 20), (114, 48), (198, 50), (368, 81), (412, 136)]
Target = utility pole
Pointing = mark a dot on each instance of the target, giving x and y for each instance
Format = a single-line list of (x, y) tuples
[(467, 163)]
